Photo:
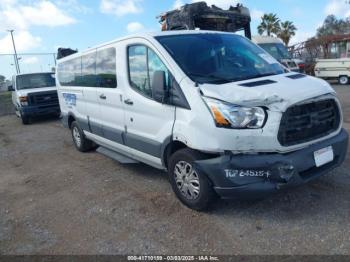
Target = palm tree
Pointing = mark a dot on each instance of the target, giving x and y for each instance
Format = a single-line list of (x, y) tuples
[(286, 32), (270, 23)]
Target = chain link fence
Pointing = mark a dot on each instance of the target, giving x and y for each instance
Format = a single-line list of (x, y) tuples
[(28, 63)]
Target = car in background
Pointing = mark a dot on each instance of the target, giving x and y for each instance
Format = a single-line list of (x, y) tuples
[(334, 69), (34, 95), (277, 49), (301, 64)]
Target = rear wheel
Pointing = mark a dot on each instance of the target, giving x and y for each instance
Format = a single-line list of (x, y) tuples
[(80, 141), (343, 80), (191, 187)]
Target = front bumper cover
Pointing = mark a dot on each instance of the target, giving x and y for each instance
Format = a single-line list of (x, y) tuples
[(255, 176), (32, 111)]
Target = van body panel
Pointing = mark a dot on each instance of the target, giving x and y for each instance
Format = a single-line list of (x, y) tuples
[(277, 96), (255, 176), (127, 120), (125, 150), (147, 122)]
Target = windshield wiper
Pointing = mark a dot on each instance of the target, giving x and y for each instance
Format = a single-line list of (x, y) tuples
[(255, 76), (212, 78)]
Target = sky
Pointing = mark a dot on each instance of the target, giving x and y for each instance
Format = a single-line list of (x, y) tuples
[(45, 25)]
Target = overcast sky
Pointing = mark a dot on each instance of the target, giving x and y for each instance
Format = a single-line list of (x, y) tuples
[(44, 25)]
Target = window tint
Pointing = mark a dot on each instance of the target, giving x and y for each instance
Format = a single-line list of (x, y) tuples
[(143, 62), (88, 70), (106, 68), (69, 72)]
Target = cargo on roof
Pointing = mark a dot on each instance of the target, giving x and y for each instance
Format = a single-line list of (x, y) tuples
[(200, 15)]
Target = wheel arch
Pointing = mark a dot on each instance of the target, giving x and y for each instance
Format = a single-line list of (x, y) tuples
[(71, 119), (169, 147)]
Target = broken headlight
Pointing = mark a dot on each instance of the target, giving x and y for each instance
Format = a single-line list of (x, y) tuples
[(233, 116)]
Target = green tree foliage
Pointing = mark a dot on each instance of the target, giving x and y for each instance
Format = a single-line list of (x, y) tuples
[(2, 79), (270, 24), (286, 32), (334, 26)]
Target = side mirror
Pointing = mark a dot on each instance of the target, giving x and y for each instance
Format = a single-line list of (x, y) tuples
[(158, 86), (10, 88)]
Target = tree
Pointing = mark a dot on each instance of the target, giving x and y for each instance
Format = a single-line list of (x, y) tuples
[(287, 30), (334, 26), (2, 79), (270, 23)]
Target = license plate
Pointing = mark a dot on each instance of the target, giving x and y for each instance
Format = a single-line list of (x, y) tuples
[(324, 156)]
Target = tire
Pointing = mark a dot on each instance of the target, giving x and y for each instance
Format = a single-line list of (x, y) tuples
[(25, 119), (343, 80), (80, 141), (198, 194)]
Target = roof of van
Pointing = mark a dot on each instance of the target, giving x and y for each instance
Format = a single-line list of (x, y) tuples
[(259, 39), (146, 35)]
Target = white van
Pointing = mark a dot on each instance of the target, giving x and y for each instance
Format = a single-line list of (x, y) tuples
[(275, 47), (334, 69), (211, 108), (34, 95)]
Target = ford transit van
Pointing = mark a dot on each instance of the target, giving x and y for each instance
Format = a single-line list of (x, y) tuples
[(221, 115)]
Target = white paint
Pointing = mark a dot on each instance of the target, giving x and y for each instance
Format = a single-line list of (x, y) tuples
[(155, 121)]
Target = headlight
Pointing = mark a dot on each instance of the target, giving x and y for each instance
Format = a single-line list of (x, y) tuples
[(23, 100), (233, 116)]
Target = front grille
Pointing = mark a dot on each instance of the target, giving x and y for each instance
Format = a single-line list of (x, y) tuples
[(306, 122), (43, 98)]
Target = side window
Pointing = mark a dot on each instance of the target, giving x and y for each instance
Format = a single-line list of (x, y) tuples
[(69, 72), (138, 73), (155, 64), (143, 62), (106, 68), (88, 70)]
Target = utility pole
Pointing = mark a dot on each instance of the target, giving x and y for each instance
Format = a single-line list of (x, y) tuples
[(14, 48)]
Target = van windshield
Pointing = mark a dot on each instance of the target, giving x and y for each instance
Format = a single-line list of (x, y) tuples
[(278, 51), (219, 58), (35, 81)]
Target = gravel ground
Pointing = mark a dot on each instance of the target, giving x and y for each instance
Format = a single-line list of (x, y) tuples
[(55, 200)]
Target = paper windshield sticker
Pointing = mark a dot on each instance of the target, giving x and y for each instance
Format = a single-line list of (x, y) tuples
[(269, 59)]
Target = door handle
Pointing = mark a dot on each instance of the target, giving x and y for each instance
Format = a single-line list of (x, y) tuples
[(128, 102), (102, 96)]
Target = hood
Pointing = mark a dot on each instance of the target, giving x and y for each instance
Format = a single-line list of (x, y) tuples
[(280, 93), (25, 92)]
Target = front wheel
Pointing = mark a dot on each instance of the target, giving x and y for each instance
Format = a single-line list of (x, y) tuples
[(25, 119), (191, 187), (343, 80)]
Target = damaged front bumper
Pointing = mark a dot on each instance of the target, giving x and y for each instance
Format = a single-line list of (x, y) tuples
[(255, 176)]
